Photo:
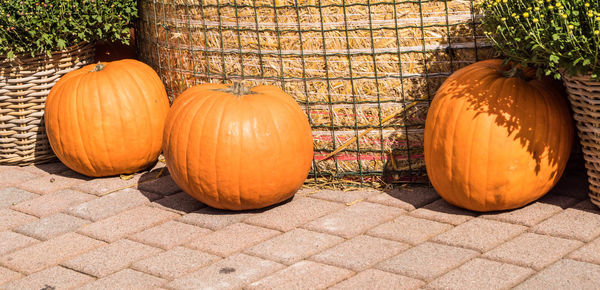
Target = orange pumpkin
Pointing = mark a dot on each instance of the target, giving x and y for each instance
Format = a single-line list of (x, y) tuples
[(237, 149), (495, 141), (107, 118)]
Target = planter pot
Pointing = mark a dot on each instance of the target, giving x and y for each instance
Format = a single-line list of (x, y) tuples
[(24, 84), (584, 96)]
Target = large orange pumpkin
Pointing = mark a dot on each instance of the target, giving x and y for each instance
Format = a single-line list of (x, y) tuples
[(237, 149), (495, 140), (107, 118)]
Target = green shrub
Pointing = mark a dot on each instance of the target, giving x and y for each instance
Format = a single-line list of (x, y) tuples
[(40, 27), (550, 35)]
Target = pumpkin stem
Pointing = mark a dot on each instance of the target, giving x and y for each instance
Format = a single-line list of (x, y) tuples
[(238, 89), (98, 67), (515, 72)]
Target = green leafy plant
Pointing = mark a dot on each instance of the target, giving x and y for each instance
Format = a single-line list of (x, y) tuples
[(40, 27), (553, 36)]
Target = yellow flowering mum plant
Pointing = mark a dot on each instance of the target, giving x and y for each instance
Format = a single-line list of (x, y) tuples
[(554, 36)]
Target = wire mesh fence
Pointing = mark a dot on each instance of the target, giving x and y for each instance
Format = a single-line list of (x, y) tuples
[(364, 71)]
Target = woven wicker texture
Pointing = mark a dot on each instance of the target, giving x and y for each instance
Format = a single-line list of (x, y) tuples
[(584, 96), (350, 64), (24, 84)]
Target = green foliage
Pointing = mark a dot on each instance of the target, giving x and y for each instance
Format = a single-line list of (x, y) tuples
[(40, 27), (552, 35)]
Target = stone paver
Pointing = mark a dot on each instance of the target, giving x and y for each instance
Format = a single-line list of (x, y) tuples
[(10, 241), (52, 278), (52, 203), (444, 212), (535, 212), (409, 229), (303, 275), (588, 253), (378, 280), (163, 186), (12, 177), (360, 253), (46, 168), (482, 274), (10, 196), (170, 234), (48, 253), (111, 204), (406, 198), (565, 274), (214, 219), (106, 185), (60, 230), (232, 239), (480, 234), (582, 223), (51, 183), (126, 279), (110, 258), (427, 261), (290, 215), (354, 220), (293, 246), (126, 223), (181, 203), (7, 275), (10, 219), (348, 196), (233, 272), (51, 226), (533, 250), (175, 263)]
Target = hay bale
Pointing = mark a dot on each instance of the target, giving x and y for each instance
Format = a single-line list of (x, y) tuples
[(349, 64)]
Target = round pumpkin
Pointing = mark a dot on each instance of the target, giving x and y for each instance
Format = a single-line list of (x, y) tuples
[(107, 118), (237, 149), (496, 138)]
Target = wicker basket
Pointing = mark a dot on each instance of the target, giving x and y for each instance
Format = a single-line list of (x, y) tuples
[(584, 96), (24, 84)]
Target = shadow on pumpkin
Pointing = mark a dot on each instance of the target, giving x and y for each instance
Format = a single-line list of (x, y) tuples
[(511, 110)]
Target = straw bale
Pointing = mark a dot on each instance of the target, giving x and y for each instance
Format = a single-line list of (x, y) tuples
[(349, 64)]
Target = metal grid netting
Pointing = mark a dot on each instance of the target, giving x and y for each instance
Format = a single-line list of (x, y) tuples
[(363, 71)]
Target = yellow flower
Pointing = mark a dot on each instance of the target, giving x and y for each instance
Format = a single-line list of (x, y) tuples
[(597, 18), (525, 15), (550, 7), (570, 26), (503, 18), (557, 4), (535, 20), (536, 9), (596, 32), (514, 14), (542, 16), (586, 4), (564, 16), (590, 14)]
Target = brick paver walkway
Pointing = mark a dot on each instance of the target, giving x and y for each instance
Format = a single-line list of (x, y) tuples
[(59, 230)]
